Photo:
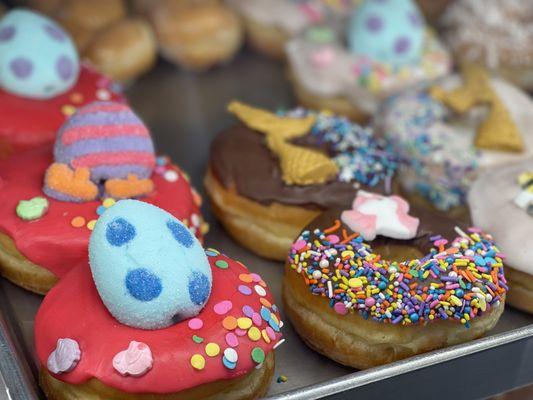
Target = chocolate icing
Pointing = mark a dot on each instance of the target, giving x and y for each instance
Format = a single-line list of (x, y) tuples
[(431, 224), (241, 159)]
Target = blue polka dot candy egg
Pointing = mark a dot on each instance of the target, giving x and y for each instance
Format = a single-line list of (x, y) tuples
[(149, 270), (387, 31), (37, 57)]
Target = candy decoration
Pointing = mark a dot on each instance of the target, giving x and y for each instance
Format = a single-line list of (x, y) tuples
[(65, 357), (136, 360), (373, 214), (103, 141), (498, 131), (148, 276), (391, 32), (524, 199), (38, 59), (29, 210), (299, 165)]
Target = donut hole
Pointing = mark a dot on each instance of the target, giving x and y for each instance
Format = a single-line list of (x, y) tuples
[(397, 252)]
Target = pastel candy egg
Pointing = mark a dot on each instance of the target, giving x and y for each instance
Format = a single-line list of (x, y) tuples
[(388, 31), (109, 139), (37, 57), (149, 270)]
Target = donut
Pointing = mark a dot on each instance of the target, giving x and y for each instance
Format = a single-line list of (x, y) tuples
[(50, 199), (350, 67), (506, 209), (270, 25), (196, 35), (85, 18), (380, 282), (270, 176), (41, 77), (447, 133), (188, 323), (125, 50), (119, 45), (497, 34)]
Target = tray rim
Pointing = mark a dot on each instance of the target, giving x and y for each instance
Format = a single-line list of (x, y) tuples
[(365, 377)]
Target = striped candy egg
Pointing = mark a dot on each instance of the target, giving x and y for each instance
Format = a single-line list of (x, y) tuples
[(109, 139)]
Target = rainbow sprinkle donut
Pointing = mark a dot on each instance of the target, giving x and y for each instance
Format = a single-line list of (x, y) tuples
[(351, 271)]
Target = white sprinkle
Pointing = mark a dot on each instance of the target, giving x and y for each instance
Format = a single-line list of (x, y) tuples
[(171, 175), (279, 344), (260, 290), (231, 355), (330, 290)]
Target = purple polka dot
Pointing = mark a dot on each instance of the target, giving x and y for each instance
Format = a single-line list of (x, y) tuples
[(245, 290), (54, 32), (7, 33), (248, 311), (64, 68), (402, 45), (21, 67), (374, 23), (414, 18)]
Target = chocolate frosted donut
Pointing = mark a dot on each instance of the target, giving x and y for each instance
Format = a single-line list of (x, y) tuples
[(388, 283), (247, 184)]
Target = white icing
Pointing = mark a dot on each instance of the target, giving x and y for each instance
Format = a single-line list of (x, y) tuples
[(451, 137), (339, 79), (278, 13), (491, 201), (494, 32)]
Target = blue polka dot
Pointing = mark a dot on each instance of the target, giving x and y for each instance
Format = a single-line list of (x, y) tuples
[(119, 232), (143, 284), (198, 288), (180, 233)]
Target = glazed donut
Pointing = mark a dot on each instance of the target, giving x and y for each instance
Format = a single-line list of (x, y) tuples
[(125, 50), (187, 325), (264, 191), (41, 80), (373, 284), (270, 25), (196, 36), (84, 18), (447, 133), (350, 68), (506, 210), (495, 33), (103, 152)]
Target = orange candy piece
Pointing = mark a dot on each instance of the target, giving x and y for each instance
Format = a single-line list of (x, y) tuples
[(130, 187)]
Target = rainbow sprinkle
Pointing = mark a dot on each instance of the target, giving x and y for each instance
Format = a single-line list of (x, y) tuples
[(359, 155), (458, 282)]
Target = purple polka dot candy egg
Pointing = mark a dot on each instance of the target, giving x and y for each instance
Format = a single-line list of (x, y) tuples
[(38, 58), (387, 31)]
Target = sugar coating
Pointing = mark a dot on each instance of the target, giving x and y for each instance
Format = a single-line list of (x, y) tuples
[(147, 276), (388, 31), (37, 57)]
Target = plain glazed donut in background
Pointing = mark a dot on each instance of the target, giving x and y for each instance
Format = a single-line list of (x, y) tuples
[(379, 283), (117, 44), (123, 50), (196, 35)]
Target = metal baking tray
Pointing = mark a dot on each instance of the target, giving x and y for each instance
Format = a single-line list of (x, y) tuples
[(185, 111)]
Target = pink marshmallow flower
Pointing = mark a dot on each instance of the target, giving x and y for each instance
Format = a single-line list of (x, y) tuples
[(373, 214)]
